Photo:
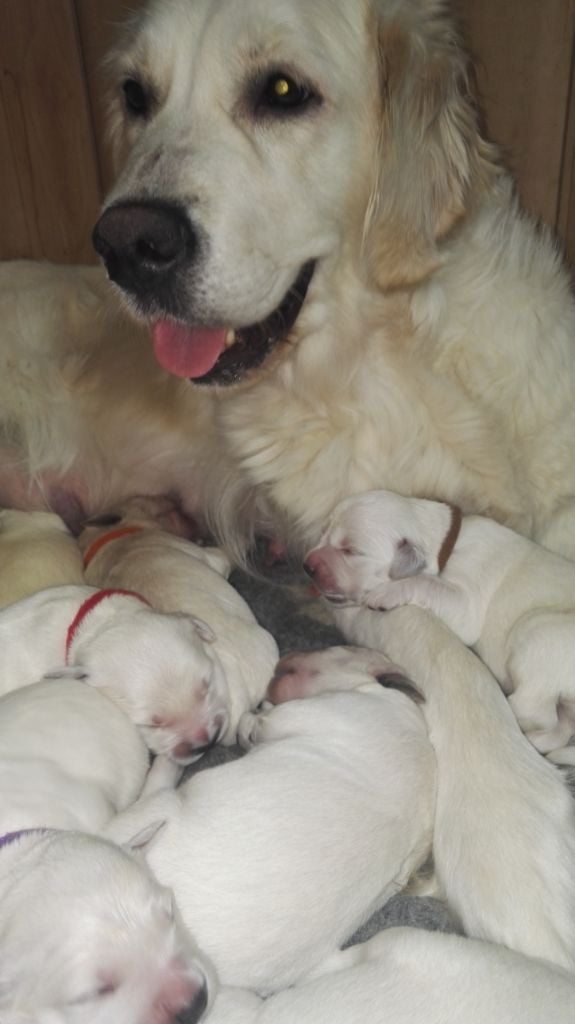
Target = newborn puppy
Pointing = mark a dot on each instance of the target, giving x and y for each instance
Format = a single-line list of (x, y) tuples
[(158, 668), (508, 598), (36, 551), (410, 976), (87, 936), (277, 858), (504, 832), (133, 549), (69, 758)]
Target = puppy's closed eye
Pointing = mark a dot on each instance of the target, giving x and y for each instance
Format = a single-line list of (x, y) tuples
[(395, 681)]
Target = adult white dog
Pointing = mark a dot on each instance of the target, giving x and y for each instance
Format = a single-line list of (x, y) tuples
[(409, 976), (510, 599), (132, 550), (69, 758), (89, 937), (276, 859), (36, 551), (306, 213), (504, 834), (156, 666)]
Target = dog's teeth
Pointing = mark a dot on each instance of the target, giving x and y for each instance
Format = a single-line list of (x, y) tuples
[(230, 337)]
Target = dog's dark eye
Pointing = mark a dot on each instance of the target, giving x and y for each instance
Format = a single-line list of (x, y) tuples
[(280, 93), (136, 99)]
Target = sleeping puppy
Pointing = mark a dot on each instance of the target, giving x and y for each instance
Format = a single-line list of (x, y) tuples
[(69, 758), (36, 551), (134, 551), (410, 976), (504, 833), (157, 667), (276, 858), (508, 598), (89, 937)]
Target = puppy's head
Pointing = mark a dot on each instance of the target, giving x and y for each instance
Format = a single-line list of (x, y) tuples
[(263, 149), (163, 672), (309, 673), (377, 537), (87, 935)]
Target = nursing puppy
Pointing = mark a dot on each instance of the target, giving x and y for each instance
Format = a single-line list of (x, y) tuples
[(36, 551), (503, 595), (69, 758), (409, 976), (157, 667), (89, 937), (132, 550), (504, 833), (277, 858)]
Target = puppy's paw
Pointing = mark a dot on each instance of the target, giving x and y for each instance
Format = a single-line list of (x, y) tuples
[(251, 728)]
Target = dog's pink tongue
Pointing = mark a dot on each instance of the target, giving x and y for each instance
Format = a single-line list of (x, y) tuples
[(187, 351)]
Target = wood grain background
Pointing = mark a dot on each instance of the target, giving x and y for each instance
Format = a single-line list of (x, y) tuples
[(55, 167)]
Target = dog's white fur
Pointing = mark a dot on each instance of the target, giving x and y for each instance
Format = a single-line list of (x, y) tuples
[(510, 599), (36, 551), (69, 758), (436, 305), (156, 666), (277, 858), (89, 937), (504, 834), (176, 575), (409, 976)]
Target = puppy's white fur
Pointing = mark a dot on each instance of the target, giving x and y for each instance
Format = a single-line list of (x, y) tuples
[(36, 551), (176, 575), (69, 758), (409, 976), (87, 935), (508, 598), (156, 666), (436, 304), (277, 858), (504, 837)]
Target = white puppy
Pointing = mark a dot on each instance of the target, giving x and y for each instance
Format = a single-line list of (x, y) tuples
[(508, 598), (89, 937), (410, 976), (69, 757), (132, 550), (277, 858), (36, 551), (157, 667), (504, 836)]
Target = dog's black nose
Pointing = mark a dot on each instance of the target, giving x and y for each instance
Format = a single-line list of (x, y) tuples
[(192, 1013), (142, 244)]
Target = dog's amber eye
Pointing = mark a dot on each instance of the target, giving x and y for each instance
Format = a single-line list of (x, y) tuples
[(280, 92), (136, 99)]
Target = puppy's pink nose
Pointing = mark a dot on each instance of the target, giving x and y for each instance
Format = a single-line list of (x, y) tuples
[(318, 566)]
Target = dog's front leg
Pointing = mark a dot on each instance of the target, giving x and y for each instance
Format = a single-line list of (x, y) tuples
[(432, 594)]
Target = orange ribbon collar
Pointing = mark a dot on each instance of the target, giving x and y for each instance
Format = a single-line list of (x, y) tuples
[(99, 542)]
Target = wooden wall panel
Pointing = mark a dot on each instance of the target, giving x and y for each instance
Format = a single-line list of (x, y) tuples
[(48, 172), (523, 53)]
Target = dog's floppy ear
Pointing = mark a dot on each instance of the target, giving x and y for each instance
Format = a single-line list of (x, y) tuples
[(205, 632), (408, 560), (431, 156)]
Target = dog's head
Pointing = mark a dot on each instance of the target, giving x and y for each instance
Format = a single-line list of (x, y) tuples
[(380, 536), (87, 935), (268, 150), (162, 670)]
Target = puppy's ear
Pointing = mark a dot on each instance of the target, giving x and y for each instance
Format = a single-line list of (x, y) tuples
[(431, 157), (68, 672), (408, 560)]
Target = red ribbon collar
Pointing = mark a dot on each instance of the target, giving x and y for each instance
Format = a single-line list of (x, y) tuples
[(87, 606)]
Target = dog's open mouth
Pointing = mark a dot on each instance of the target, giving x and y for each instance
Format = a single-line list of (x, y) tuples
[(221, 355)]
